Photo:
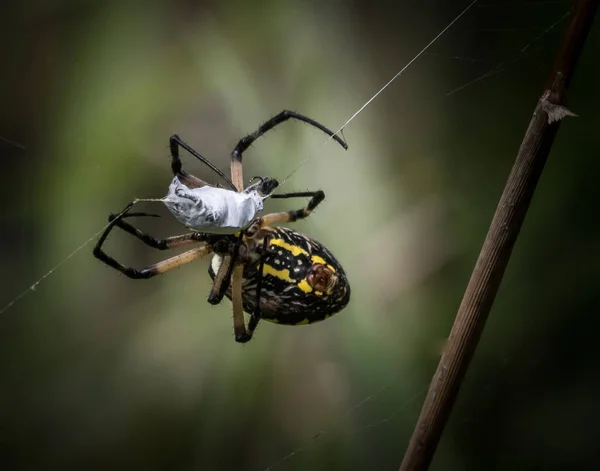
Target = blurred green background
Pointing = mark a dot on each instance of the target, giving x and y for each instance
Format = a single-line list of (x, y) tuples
[(102, 372)]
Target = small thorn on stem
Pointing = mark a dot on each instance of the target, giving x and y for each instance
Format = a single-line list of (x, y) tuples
[(555, 112)]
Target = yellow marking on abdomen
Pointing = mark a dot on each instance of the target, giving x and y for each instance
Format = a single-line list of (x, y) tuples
[(281, 274), (317, 259), (292, 248), (303, 322), (304, 286)]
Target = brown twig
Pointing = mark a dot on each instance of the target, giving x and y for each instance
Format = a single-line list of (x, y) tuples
[(497, 247)]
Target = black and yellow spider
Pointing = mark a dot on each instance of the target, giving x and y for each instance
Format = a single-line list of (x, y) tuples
[(272, 273)]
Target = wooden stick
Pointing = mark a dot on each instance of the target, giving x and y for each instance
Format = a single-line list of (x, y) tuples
[(497, 247)]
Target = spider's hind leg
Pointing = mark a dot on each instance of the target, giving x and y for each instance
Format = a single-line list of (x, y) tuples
[(160, 244), (316, 198), (245, 335), (169, 243), (223, 276)]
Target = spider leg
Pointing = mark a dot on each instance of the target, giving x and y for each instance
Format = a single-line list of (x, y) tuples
[(252, 324), (160, 244), (256, 313), (239, 328), (158, 268), (187, 179), (316, 197), (223, 275), (247, 141), (116, 220), (153, 270), (224, 272)]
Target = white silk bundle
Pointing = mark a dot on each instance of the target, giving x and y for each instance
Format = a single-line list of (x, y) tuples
[(214, 210)]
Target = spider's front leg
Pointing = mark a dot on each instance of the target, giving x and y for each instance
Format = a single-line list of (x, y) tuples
[(189, 180), (247, 141), (282, 117)]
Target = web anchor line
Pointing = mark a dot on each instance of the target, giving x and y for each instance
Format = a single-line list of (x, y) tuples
[(500, 67), (34, 286), (398, 74)]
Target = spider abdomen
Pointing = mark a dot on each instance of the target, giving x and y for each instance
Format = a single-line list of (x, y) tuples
[(302, 282)]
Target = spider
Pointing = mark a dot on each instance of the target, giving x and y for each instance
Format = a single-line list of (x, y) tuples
[(272, 273)]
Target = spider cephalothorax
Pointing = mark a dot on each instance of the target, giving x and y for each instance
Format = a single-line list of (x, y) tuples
[(273, 273)]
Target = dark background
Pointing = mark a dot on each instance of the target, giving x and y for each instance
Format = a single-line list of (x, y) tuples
[(102, 372)]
